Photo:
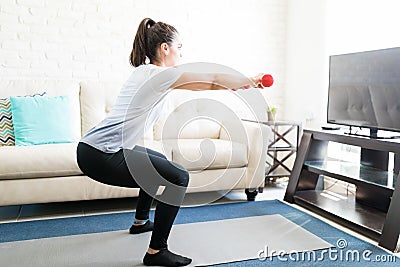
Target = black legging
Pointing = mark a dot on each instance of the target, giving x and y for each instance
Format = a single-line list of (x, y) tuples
[(121, 169)]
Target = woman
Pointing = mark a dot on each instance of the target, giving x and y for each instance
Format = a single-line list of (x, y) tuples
[(108, 153)]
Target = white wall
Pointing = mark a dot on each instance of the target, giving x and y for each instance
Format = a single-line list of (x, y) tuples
[(292, 39), (319, 28), (361, 25), (306, 82), (92, 39)]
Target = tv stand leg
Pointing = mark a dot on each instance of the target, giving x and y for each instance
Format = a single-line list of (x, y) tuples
[(297, 167), (309, 149), (391, 229)]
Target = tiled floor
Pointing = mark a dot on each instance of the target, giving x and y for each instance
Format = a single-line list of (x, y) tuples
[(272, 190)]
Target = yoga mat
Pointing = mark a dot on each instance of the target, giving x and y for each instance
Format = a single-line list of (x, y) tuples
[(207, 243)]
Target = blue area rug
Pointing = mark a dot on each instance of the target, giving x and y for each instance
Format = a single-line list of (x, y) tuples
[(349, 250)]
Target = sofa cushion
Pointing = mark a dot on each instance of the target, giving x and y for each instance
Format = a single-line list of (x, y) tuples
[(52, 88), (201, 154), (7, 137), (50, 160), (203, 114), (97, 99), (186, 117), (41, 120)]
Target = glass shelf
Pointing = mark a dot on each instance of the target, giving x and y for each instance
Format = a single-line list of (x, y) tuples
[(353, 172)]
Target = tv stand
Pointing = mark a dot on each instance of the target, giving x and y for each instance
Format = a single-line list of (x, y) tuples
[(374, 211)]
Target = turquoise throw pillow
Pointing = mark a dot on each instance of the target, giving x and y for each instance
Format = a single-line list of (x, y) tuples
[(41, 120)]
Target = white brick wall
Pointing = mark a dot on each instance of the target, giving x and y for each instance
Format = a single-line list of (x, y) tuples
[(92, 39)]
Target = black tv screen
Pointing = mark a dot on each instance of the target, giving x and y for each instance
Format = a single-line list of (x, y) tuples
[(364, 89)]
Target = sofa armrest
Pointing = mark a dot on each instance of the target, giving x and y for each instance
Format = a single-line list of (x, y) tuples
[(259, 136)]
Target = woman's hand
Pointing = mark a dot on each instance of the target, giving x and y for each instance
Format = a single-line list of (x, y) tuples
[(257, 80)]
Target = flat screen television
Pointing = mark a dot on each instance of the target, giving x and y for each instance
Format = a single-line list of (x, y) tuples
[(364, 90)]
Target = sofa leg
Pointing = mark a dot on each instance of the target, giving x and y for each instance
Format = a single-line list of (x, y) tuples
[(251, 194)]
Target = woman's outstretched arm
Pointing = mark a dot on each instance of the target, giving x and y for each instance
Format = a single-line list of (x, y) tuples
[(214, 81)]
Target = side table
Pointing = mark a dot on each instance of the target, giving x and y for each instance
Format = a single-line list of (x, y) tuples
[(283, 147)]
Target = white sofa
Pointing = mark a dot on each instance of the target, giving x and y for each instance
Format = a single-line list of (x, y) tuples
[(220, 155)]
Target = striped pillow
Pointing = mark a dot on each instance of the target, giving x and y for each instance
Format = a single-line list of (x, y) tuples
[(7, 137)]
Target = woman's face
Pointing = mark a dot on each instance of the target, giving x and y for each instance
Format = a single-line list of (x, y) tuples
[(174, 55)]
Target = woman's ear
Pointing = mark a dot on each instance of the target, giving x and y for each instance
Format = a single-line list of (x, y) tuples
[(165, 48)]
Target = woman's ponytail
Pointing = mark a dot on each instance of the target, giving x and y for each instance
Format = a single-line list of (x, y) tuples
[(149, 36), (139, 50)]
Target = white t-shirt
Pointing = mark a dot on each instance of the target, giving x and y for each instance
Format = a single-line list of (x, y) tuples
[(138, 106)]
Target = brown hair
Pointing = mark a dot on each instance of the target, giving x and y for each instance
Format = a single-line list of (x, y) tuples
[(149, 36)]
